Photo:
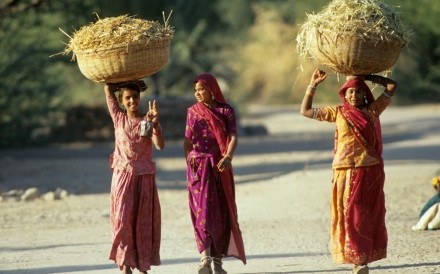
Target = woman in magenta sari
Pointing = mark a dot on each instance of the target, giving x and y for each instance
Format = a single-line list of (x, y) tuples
[(210, 143), (358, 231)]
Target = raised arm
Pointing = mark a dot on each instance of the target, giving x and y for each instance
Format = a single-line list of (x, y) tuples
[(389, 84), (110, 89), (306, 106)]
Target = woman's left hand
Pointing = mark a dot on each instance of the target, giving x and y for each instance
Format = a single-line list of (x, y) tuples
[(153, 113), (224, 163)]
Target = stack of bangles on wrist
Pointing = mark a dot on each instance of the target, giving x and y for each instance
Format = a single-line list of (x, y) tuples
[(311, 90)]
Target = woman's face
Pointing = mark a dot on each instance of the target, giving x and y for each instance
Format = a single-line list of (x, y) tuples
[(202, 93), (355, 96), (130, 100)]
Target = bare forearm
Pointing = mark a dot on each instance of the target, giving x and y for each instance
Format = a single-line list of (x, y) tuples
[(157, 137), (306, 106), (110, 89), (307, 102), (389, 84), (232, 146)]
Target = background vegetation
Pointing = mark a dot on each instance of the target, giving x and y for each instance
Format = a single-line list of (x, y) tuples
[(248, 44)]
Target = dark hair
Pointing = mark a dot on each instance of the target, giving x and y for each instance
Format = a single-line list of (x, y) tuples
[(123, 88), (131, 86)]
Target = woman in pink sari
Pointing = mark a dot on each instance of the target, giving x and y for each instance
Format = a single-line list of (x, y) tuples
[(210, 143), (135, 215), (358, 231)]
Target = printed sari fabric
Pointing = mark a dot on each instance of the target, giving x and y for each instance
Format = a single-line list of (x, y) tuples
[(135, 219), (135, 214), (211, 194), (358, 231)]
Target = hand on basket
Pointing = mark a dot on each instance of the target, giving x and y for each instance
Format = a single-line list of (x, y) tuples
[(111, 87), (139, 83)]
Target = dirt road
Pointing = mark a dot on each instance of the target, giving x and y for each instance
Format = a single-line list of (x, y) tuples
[(283, 183)]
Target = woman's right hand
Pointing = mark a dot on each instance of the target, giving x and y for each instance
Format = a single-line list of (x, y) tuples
[(111, 87), (317, 77)]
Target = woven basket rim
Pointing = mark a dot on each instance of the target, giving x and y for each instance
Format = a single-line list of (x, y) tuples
[(118, 47), (344, 53)]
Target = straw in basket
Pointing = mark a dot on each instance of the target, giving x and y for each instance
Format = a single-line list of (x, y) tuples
[(121, 49), (354, 37)]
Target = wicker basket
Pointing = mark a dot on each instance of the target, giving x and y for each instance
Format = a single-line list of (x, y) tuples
[(354, 56), (123, 63)]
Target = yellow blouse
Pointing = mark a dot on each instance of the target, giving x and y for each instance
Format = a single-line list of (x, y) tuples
[(348, 151)]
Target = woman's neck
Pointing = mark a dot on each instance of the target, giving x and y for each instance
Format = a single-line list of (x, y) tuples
[(211, 104), (131, 114)]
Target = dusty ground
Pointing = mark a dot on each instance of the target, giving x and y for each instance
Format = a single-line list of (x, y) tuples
[(283, 184)]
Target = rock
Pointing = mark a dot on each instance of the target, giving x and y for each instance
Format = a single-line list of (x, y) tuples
[(13, 193), (60, 193), (30, 194), (49, 196)]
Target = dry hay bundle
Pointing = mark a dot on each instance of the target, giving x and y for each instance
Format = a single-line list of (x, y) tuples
[(354, 37), (119, 49)]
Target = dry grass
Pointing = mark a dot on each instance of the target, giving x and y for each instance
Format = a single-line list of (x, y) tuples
[(122, 31), (365, 19)]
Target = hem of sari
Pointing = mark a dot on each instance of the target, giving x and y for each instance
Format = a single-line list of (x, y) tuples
[(342, 258), (144, 264)]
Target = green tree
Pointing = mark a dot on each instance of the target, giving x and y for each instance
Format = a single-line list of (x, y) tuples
[(30, 82), (418, 70)]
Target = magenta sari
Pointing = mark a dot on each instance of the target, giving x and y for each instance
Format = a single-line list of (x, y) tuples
[(212, 193)]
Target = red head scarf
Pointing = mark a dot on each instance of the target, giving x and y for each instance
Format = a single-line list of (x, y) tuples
[(359, 84), (364, 129), (208, 80)]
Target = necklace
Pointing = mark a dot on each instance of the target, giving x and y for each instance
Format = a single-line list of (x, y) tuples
[(211, 105)]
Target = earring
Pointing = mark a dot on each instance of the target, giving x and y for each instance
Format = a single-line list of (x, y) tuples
[(365, 99)]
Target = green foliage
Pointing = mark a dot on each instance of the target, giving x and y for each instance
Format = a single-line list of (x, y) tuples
[(418, 70), (28, 88)]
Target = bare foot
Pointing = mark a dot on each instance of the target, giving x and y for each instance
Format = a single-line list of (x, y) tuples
[(126, 270)]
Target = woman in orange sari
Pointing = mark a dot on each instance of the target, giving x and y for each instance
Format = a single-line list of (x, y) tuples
[(358, 231), (210, 143)]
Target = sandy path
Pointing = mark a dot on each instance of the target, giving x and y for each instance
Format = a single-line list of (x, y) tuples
[(283, 184)]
